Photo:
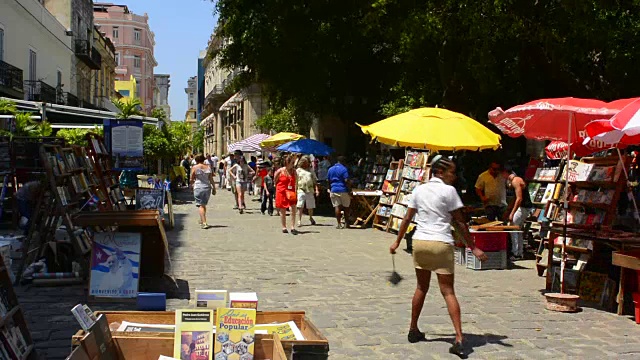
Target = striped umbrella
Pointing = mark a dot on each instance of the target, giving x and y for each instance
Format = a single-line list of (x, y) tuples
[(250, 144)]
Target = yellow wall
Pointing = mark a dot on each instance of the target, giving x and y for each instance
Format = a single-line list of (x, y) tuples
[(127, 88)]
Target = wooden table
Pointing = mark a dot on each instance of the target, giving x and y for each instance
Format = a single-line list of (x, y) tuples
[(367, 202)]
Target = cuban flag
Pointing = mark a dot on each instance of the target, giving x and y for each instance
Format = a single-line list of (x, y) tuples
[(93, 200)]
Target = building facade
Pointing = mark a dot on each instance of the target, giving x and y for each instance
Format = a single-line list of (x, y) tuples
[(227, 117), (200, 98), (127, 88), (192, 92), (35, 53), (77, 17), (161, 93), (103, 81), (134, 42)]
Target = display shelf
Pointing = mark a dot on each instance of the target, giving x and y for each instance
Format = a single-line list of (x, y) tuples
[(14, 321)]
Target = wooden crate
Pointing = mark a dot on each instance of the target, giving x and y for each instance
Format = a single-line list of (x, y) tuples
[(314, 346), (148, 346)]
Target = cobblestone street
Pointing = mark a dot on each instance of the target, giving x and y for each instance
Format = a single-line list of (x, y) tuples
[(339, 278)]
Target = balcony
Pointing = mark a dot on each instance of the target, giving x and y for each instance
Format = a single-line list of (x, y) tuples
[(11, 80), (71, 100), (88, 54), (37, 90)]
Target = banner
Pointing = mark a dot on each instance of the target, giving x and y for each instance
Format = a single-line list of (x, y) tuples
[(126, 144)]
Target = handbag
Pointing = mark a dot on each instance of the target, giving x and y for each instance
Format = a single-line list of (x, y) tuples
[(291, 195)]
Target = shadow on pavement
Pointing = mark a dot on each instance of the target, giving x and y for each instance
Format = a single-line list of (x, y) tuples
[(174, 288), (472, 341)]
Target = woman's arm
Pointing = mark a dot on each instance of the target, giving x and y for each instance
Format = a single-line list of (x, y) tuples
[(517, 202), (403, 229), (192, 178)]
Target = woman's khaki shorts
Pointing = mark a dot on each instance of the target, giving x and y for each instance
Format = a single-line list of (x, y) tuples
[(436, 256)]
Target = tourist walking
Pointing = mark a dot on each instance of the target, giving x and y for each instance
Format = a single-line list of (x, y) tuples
[(435, 204), (221, 173), (202, 183), (323, 168), (268, 192), (286, 197), (242, 175), (186, 164), (307, 189), (338, 177)]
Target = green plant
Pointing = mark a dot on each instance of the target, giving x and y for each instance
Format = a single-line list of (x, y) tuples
[(127, 107), (7, 107), (74, 136)]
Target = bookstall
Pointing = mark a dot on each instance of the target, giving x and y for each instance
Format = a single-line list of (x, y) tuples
[(365, 198), (390, 188), (595, 186), (154, 331), (15, 338)]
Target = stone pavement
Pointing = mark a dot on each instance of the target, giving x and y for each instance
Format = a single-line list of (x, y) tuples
[(339, 278)]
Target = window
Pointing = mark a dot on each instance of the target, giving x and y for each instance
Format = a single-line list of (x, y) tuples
[(117, 59), (32, 65), (124, 93), (137, 94), (1, 44), (136, 62), (136, 35), (116, 32)]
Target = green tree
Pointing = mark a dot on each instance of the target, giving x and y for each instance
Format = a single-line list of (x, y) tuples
[(197, 143), (75, 136), (128, 107), (179, 138)]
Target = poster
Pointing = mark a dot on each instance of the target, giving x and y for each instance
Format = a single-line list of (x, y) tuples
[(115, 265), (126, 145), (150, 199)]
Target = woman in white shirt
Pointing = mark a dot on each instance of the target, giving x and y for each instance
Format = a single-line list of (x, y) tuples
[(436, 205)]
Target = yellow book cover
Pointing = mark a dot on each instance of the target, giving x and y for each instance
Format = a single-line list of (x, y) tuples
[(285, 331), (194, 334), (235, 334)]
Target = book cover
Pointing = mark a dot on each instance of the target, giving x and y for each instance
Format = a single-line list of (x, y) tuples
[(81, 316), (193, 334), (285, 331), (235, 334), (540, 194), (578, 171), (115, 264), (211, 299), (97, 342), (533, 189), (548, 193), (247, 300)]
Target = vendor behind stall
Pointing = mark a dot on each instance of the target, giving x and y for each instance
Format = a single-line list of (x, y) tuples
[(519, 212), (492, 190), (27, 199)]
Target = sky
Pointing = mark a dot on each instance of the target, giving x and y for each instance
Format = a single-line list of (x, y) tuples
[(182, 29)]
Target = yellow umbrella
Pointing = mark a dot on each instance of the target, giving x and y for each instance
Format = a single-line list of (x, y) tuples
[(433, 129), (279, 139)]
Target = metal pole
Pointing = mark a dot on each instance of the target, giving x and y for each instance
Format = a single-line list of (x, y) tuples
[(563, 259)]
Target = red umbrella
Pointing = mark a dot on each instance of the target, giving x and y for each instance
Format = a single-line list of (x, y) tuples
[(559, 149), (548, 119), (623, 128)]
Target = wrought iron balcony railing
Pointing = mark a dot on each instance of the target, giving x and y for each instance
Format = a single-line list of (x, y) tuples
[(11, 78), (88, 54), (37, 90)]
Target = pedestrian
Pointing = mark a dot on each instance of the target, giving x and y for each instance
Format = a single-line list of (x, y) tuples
[(286, 196), (323, 168), (221, 173), (435, 204), (268, 192), (202, 180), (491, 187), (242, 175), (307, 189), (186, 164), (228, 163), (338, 177), (520, 211), (253, 165)]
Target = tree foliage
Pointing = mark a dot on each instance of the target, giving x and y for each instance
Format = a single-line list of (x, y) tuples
[(171, 141), (22, 124), (75, 136), (361, 59), (128, 107), (197, 141), (278, 120)]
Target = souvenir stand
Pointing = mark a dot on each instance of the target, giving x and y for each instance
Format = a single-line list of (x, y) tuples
[(314, 346)]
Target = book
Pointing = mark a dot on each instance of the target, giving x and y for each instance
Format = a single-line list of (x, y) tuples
[(211, 299), (577, 171), (533, 189), (548, 193), (235, 334), (97, 342), (126, 326), (239, 300), (82, 317), (285, 331), (193, 334)]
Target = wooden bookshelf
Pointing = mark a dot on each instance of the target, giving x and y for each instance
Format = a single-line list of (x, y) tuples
[(415, 172), (107, 180), (390, 188), (15, 338)]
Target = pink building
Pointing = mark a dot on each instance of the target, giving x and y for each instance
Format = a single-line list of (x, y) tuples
[(134, 42)]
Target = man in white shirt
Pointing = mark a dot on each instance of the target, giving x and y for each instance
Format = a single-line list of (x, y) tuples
[(323, 168), (491, 187)]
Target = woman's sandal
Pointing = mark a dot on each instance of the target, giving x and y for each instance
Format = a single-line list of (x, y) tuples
[(416, 336)]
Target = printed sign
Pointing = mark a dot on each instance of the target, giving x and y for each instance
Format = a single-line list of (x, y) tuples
[(150, 199), (126, 145)]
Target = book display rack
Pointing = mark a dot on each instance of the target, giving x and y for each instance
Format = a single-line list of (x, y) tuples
[(390, 188), (7, 179), (15, 338), (375, 173), (595, 186), (112, 196)]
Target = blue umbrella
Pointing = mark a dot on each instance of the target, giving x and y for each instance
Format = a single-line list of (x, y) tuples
[(307, 146)]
